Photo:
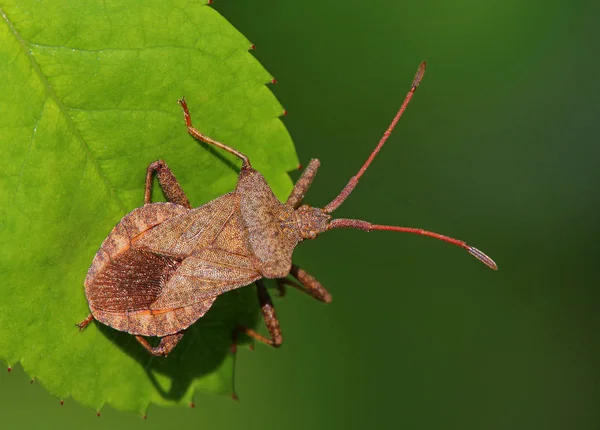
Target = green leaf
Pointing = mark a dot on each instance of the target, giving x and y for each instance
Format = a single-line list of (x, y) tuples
[(88, 97)]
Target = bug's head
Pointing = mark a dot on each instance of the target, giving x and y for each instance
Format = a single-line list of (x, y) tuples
[(312, 221)]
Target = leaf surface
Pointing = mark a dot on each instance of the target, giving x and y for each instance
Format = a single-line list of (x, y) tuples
[(88, 99)]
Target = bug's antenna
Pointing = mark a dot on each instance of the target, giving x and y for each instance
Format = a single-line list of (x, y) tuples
[(367, 226), (353, 182), (335, 203)]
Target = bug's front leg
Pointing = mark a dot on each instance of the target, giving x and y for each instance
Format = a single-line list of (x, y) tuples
[(270, 317), (168, 183), (166, 345), (303, 184), (309, 286)]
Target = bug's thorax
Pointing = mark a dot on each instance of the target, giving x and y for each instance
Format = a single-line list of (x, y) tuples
[(311, 221)]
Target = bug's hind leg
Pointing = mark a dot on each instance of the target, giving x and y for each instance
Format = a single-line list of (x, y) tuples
[(83, 324), (271, 321), (204, 138), (167, 182), (166, 345), (303, 184), (310, 285), (270, 317)]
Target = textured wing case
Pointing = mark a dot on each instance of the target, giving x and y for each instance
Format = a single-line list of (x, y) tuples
[(218, 259), (162, 266)]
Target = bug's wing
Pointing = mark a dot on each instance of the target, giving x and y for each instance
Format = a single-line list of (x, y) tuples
[(130, 282), (123, 294), (198, 228), (211, 243), (211, 272)]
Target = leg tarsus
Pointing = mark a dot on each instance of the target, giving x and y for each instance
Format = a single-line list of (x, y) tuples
[(83, 324), (166, 345), (204, 138), (270, 317), (271, 321)]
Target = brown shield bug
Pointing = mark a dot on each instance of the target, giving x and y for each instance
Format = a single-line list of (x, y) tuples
[(164, 264)]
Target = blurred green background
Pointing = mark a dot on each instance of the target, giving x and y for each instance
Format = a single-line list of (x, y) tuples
[(500, 148)]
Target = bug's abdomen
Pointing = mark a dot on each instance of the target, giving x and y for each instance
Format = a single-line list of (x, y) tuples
[(130, 227), (122, 294), (122, 282), (132, 281)]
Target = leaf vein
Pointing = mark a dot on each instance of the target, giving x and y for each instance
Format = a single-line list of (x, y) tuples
[(63, 109), (29, 149)]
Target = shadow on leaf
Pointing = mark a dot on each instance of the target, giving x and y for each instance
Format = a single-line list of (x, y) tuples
[(201, 350)]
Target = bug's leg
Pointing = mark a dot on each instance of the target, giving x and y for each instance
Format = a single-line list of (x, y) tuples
[(281, 283), (204, 138), (167, 182), (271, 321), (166, 345), (83, 324), (303, 184), (310, 285)]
